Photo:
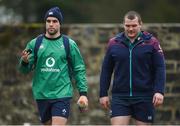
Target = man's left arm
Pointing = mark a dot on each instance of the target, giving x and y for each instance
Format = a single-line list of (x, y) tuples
[(159, 74), (79, 72)]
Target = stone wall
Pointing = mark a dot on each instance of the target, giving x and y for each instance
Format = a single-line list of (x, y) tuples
[(16, 102)]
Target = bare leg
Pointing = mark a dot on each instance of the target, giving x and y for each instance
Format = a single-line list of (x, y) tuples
[(120, 120), (57, 120), (140, 123)]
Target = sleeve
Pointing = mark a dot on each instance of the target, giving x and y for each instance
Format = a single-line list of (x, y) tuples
[(106, 73), (23, 67), (78, 67), (159, 68)]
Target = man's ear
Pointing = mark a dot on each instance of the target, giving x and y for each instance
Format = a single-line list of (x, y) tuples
[(141, 24)]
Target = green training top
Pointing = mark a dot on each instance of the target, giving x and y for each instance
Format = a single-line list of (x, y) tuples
[(51, 77)]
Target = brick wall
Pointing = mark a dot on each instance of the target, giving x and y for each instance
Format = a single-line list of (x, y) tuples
[(93, 39), (16, 103)]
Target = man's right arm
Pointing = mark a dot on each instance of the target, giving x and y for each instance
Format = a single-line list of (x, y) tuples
[(26, 60), (104, 101), (105, 79), (106, 73)]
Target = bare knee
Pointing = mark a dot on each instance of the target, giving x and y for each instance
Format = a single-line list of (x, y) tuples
[(120, 120), (57, 120)]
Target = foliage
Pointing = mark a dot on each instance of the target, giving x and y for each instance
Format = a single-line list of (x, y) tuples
[(97, 11)]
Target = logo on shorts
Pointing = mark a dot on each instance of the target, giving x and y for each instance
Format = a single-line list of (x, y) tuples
[(149, 117), (110, 113), (64, 111)]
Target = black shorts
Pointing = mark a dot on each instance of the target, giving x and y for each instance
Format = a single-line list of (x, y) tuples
[(55, 107), (141, 109)]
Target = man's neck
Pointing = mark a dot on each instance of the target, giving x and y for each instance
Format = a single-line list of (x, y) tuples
[(133, 39), (52, 36)]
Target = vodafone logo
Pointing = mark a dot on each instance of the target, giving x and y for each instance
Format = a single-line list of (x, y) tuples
[(50, 62)]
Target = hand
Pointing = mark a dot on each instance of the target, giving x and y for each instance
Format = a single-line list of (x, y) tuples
[(104, 101), (24, 56), (83, 100), (158, 99)]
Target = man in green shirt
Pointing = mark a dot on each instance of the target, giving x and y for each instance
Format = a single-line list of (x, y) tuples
[(52, 86)]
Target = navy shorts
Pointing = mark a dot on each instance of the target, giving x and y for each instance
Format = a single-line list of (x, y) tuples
[(141, 109), (53, 107)]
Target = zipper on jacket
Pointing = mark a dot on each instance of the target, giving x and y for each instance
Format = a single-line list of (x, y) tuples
[(130, 69), (131, 47)]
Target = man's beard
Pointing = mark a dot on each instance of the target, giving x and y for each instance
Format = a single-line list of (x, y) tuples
[(52, 31)]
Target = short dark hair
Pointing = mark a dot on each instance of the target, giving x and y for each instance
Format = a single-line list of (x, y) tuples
[(132, 15)]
